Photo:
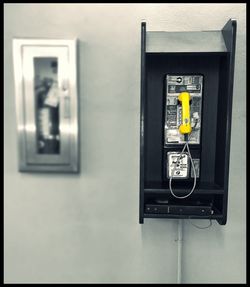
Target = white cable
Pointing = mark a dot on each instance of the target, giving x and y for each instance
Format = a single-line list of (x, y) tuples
[(173, 170), (179, 255)]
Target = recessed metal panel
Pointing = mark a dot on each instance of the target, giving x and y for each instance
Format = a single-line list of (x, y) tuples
[(46, 100)]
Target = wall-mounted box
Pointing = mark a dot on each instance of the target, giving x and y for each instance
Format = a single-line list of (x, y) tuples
[(210, 54), (46, 103)]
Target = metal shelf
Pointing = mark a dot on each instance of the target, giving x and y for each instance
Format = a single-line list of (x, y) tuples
[(162, 188)]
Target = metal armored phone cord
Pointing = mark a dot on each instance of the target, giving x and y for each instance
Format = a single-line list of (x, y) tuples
[(192, 164)]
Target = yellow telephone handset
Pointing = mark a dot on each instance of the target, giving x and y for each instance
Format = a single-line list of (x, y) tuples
[(185, 127)]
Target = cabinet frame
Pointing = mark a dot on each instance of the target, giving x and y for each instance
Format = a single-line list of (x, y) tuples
[(24, 53)]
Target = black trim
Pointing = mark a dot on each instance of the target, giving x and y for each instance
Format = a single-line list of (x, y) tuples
[(143, 91)]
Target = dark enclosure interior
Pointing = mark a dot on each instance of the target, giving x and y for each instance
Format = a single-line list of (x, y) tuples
[(212, 187)]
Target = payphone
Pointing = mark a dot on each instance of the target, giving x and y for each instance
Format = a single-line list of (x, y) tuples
[(183, 121)]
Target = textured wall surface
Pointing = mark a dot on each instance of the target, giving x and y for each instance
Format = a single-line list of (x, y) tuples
[(84, 228)]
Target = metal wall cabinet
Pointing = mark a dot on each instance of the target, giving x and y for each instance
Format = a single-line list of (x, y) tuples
[(209, 53), (46, 104)]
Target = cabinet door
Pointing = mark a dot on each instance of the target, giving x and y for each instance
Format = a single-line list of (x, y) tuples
[(47, 110)]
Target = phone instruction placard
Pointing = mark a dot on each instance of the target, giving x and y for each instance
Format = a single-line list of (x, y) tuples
[(178, 166)]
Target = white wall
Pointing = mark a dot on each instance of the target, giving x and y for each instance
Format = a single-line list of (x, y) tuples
[(84, 228)]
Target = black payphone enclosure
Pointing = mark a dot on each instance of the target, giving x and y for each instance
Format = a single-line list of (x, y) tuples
[(212, 54)]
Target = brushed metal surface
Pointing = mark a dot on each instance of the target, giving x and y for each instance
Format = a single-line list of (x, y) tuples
[(24, 52)]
